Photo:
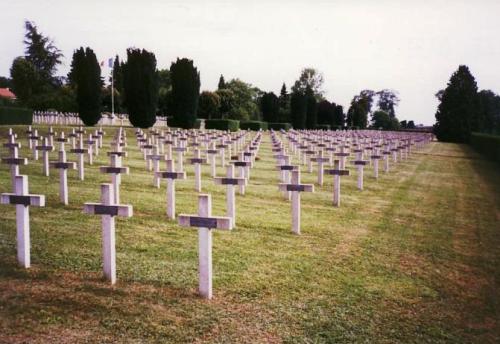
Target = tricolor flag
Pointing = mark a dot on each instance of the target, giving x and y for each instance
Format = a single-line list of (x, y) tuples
[(110, 63)]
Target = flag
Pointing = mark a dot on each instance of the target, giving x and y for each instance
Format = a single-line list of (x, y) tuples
[(110, 62)]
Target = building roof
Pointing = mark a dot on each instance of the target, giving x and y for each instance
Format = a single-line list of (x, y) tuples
[(7, 93)]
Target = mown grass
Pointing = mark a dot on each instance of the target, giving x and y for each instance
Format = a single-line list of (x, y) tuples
[(415, 257)]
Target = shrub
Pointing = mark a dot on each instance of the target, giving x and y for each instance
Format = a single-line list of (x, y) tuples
[(489, 145), (323, 126), (253, 125), (222, 124), (279, 126), (14, 115)]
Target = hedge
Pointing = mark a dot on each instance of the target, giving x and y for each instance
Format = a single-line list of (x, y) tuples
[(253, 125), (222, 124), (489, 145), (14, 115), (172, 124), (279, 126), (323, 126)]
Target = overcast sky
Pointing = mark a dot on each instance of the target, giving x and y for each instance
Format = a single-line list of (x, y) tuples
[(409, 46)]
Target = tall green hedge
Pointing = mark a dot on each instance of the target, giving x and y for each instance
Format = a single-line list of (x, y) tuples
[(323, 126), (253, 125), (279, 126), (489, 145), (222, 124), (14, 115)]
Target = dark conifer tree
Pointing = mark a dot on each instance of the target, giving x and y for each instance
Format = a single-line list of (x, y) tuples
[(457, 112), (298, 110), (85, 76), (185, 92), (222, 83), (312, 109), (269, 105), (140, 81)]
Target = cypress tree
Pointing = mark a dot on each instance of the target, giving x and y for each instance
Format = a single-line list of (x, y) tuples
[(312, 109), (222, 83), (85, 76), (326, 112), (269, 105), (298, 110), (140, 82), (457, 111), (185, 92), (339, 117)]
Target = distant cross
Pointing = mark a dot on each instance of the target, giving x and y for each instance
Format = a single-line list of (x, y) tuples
[(14, 160), (33, 143), (170, 175), (375, 158), (321, 160), (337, 173), (108, 210), (116, 169), (90, 149), (360, 164), (230, 181), (22, 199), (295, 187), (211, 153), (80, 164), (197, 161), (62, 165), (205, 223), (156, 157), (45, 148)]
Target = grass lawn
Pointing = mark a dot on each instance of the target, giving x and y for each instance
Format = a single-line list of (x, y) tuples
[(415, 257)]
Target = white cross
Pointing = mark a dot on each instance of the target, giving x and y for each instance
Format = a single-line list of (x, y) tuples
[(108, 210), (22, 199), (205, 223)]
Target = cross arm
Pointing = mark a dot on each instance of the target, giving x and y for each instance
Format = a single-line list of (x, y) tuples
[(34, 200), (112, 210), (212, 222)]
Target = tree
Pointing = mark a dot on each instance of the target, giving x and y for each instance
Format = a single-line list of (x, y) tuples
[(41, 53), (118, 85), (361, 105), (208, 105), (456, 114), (411, 125), (185, 92), (245, 100), (227, 101), (339, 117), (488, 118), (403, 124), (298, 110), (387, 101), (85, 75), (222, 83), (326, 113), (33, 78), (24, 77), (164, 88), (312, 109), (310, 77), (284, 101), (381, 120), (5, 82), (269, 105), (140, 81)]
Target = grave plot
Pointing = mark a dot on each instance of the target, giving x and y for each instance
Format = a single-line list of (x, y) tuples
[(350, 257)]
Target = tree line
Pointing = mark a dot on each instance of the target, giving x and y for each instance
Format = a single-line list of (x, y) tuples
[(144, 92)]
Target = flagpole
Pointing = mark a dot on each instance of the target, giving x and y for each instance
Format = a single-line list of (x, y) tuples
[(112, 93)]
